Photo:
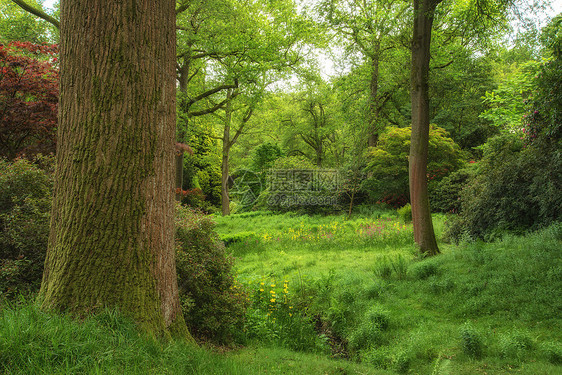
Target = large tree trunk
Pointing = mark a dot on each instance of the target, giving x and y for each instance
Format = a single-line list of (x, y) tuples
[(421, 214), (112, 228)]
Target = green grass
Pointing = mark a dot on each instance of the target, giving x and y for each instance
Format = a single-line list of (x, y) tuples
[(336, 296), (35, 342), (509, 293)]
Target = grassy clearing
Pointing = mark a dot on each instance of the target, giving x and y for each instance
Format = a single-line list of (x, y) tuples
[(477, 308)]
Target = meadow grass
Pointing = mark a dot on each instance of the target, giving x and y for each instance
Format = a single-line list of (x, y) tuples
[(331, 295), (477, 307)]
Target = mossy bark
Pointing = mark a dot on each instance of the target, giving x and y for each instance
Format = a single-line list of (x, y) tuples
[(112, 229), (421, 42)]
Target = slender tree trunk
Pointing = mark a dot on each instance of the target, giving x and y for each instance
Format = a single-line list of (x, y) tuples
[(112, 228), (421, 214), (225, 200), (182, 77), (351, 204), (319, 153), (373, 97)]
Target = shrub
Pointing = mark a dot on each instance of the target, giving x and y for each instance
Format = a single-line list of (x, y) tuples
[(393, 265), (446, 194), (230, 239), (387, 163), (213, 303), (25, 203), (275, 317), (265, 155), (518, 184), (405, 213), (516, 189)]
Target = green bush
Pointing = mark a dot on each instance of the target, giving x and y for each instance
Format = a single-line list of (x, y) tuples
[(516, 189), (25, 204), (370, 330), (213, 303), (446, 194), (230, 239), (387, 163), (405, 213)]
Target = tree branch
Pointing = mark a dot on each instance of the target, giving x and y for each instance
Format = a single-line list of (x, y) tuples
[(211, 92), (443, 66), (208, 110), (37, 12), (182, 8)]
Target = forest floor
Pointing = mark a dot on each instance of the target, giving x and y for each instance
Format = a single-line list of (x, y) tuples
[(330, 295)]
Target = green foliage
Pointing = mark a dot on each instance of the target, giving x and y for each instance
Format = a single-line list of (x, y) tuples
[(35, 342), (552, 352), (387, 163), (405, 213), (387, 267), (202, 170), (18, 25), (507, 102), (516, 189), (545, 110), (265, 155), (213, 303), (25, 203), (446, 194), (518, 183), (230, 239), (457, 91), (424, 269)]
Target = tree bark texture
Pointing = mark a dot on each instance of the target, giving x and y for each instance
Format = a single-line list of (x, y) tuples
[(226, 144), (421, 214), (112, 228)]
